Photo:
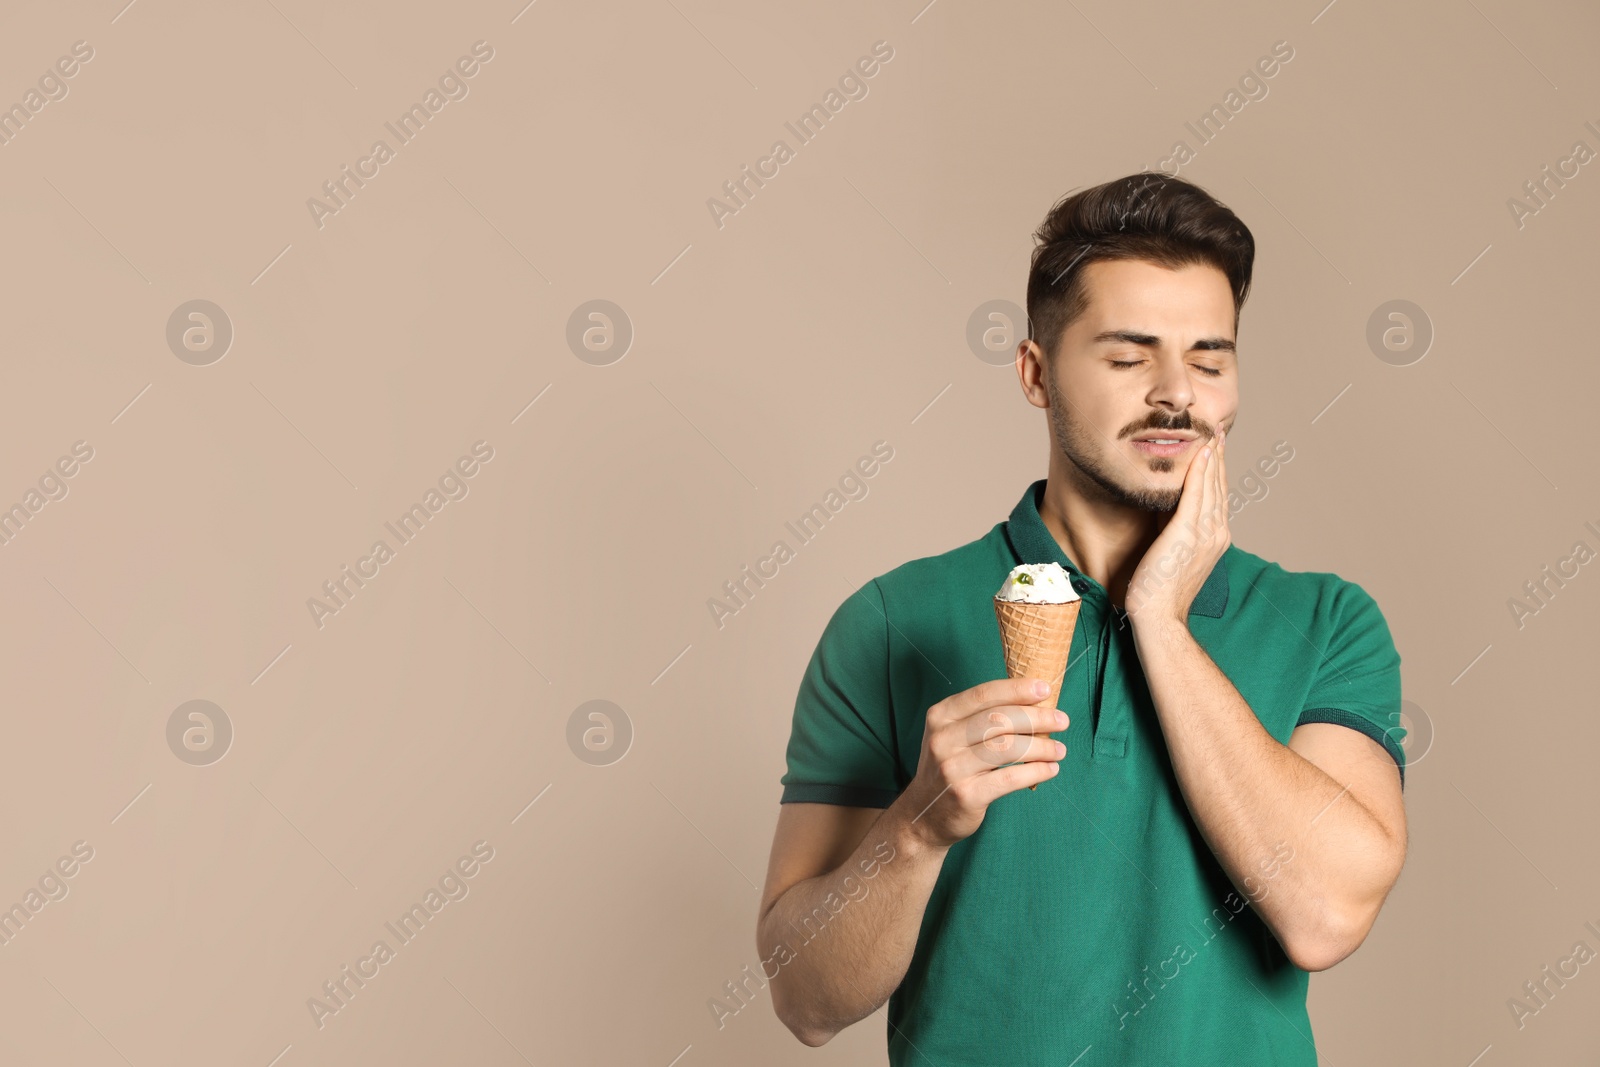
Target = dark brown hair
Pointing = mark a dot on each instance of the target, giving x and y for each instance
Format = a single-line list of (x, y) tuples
[(1150, 216)]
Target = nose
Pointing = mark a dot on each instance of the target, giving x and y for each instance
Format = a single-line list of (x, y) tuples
[(1172, 388)]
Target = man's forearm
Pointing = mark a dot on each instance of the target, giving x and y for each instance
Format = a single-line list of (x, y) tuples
[(842, 941), (1250, 794)]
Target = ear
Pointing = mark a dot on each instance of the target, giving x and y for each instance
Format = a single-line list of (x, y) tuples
[(1031, 370)]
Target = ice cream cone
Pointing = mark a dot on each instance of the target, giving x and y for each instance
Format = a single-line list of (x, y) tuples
[(1037, 639)]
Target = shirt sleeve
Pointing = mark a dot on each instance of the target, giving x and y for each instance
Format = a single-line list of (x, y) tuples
[(1358, 681), (841, 744)]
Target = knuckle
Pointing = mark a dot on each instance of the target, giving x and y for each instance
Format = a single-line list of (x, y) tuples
[(982, 730), (990, 691)]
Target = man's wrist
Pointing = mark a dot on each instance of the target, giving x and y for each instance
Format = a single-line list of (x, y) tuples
[(907, 830), (1159, 625)]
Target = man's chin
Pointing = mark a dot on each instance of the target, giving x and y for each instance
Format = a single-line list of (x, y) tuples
[(1162, 502), (1115, 489), (1150, 498), (1144, 498)]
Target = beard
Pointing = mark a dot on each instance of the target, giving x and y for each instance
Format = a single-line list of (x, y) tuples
[(1122, 484)]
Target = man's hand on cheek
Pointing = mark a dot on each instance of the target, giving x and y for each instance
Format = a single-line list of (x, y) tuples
[(1180, 559)]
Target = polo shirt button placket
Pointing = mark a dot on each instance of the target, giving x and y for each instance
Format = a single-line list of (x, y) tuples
[(1109, 738), (1110, 713)]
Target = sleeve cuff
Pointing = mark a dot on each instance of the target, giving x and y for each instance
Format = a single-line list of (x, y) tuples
[(852, 796), (1366, 726)]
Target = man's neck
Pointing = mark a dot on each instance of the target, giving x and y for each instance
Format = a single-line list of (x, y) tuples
[(1104, 540)]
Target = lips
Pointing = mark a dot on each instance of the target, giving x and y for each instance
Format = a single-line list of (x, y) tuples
[(1178, 443)]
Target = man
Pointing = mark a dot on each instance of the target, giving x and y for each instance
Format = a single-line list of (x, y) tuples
[(1218, 808)]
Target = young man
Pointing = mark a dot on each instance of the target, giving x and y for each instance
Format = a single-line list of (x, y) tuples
[(1218, 808)]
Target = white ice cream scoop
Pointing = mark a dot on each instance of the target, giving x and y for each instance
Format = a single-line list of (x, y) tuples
[(1038, 583)]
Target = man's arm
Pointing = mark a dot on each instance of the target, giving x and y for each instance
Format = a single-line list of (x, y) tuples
[(845, 895), (840, 930), (1332, 795)]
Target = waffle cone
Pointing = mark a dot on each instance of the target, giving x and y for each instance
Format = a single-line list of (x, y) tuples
[(1037, 639)]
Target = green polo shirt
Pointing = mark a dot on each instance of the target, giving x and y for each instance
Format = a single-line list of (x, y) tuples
[(1088, 922)]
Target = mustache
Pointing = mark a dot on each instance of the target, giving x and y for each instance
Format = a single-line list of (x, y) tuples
[(1183, 422)]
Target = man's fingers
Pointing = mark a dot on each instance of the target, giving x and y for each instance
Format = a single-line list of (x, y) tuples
[(1021, 691), (1214, 502), (991, 726), (1194, 483), (1003, 748), (988, 788), (995, 732), (1203, 490), (1221, 486), (1213, 478), (1011, 719)]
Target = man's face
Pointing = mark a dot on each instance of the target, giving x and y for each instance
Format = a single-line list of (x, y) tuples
[(1152, 357)]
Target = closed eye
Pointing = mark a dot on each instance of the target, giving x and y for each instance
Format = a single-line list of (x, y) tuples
[(1212, 371)]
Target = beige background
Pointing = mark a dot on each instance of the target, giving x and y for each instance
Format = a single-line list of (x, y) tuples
[(371, 753)]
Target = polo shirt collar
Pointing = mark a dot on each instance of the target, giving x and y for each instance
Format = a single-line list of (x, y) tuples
[(1033, 542)]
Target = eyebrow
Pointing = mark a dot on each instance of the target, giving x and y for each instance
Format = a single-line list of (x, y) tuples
[(1150, 340)]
